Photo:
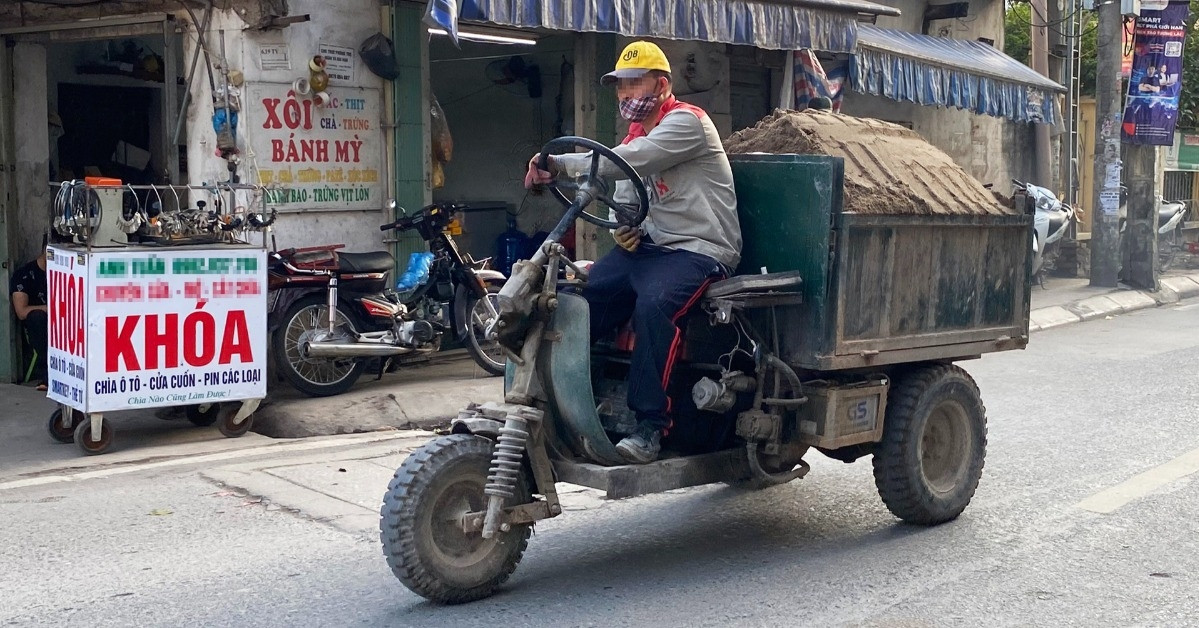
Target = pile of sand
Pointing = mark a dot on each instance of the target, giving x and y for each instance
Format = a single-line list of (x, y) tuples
[(888, 169)]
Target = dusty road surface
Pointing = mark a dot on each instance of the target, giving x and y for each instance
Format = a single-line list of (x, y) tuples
[(1088, 515)]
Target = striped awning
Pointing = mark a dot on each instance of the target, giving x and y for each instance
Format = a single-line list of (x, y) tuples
[(948, 72), (827, 25)]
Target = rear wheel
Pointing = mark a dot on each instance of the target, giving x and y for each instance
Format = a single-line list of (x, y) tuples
[(64, 433), (1167, 249), (316, 377), (203, 414), (486, 353), (930, 460), (423, 540)]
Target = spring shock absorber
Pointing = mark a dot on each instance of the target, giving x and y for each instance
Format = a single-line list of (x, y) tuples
[(505, 470)]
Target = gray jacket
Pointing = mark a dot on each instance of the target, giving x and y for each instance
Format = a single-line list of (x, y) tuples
[(692, 205)]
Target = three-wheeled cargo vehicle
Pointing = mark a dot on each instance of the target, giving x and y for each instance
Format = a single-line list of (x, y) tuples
[(839, 332)]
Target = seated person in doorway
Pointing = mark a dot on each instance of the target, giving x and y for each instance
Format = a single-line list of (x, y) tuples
[(689, 238), (28, 290)]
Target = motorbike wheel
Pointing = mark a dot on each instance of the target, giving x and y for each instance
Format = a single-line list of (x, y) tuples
[(929, 462), (315, 377), (486, 353), (1167, 249), (419, 526)]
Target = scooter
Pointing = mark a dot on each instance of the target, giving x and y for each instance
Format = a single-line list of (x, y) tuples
[(1051, 222), (331, 313), (1170, 216)]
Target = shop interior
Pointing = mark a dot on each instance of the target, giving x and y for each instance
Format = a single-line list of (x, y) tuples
[(502, 99), (106, 109)]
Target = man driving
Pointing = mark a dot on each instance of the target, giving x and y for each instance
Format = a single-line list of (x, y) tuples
[(689, 237)]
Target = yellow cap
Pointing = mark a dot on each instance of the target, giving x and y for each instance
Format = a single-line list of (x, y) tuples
[(637, 58)]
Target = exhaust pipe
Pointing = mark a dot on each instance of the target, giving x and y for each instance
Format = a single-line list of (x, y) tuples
[(354, 350)]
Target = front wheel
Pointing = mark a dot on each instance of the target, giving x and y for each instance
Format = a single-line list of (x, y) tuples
[(487, 353), (315, 377), (423, 540), (930, 459)]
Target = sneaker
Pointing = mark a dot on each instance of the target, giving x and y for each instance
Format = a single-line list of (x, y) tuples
[(641, 447)]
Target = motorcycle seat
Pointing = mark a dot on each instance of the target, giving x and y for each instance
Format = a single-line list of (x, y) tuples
[(789, 281), (373, 262)]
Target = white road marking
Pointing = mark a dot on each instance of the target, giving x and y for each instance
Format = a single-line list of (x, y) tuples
[(281, 448), (1136, 487), (1187, 307)]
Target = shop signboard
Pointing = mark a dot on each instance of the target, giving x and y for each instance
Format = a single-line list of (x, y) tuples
[(1184, 154), (1155, 84), (150, 329), (317, 155)]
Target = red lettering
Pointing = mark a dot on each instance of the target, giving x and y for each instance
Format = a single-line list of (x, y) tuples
[(270, 105), (72, 338), (291, 112), (307, 114), (118, 344), (236, 340), (166, 339), (322, 150), (276, 151), (306, 150), (199, 338), (292, 153), (342, 150)]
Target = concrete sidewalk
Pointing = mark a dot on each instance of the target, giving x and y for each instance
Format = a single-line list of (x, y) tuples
[(1066, 301), (346, 489)]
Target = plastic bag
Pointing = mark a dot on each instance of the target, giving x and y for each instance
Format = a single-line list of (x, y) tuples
[(442, 142), (380, 56), (417, 273)]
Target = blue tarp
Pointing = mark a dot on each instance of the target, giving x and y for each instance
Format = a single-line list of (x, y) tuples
[(947, 72), (827, 25)]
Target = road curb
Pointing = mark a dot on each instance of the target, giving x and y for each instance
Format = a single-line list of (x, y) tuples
[(1172, 290)]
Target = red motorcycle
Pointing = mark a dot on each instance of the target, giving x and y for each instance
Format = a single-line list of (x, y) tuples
[(331, 313)]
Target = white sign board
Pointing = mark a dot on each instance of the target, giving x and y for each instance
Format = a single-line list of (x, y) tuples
[(145, 329), (314, 157), (274, 57), (339, 63)]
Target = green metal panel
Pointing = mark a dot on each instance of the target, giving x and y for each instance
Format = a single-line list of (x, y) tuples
[(411, 115), (786, 205)]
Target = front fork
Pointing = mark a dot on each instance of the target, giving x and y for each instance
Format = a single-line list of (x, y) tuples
[(519, 431)]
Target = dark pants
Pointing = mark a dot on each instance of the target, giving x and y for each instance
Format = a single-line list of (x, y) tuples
[(36, 323), (654, 286)]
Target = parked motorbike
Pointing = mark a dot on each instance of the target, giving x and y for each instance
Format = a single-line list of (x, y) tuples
[(331, 313), (1170, 215), (1051, 221)]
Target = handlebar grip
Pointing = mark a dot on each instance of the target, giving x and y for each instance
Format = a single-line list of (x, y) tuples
[(387, 227)]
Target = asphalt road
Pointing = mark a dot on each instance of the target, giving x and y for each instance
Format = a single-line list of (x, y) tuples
[(1102, 416)]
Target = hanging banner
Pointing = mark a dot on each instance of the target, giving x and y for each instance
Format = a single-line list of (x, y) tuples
[(443, 14), (1151, 110)]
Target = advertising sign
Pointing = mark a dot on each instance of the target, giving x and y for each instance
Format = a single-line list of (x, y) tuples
[(1154, 86), (317, 156), (162, 328), (339, 63)]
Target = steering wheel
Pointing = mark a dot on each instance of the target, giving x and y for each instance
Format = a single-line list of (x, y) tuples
[(592, 187)]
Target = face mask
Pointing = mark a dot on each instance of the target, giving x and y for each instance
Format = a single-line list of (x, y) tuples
[(638, 109)]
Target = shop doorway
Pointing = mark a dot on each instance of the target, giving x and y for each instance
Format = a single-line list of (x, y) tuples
[(501, 103)]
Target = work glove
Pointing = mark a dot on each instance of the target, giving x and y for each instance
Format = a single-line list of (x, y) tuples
[(627, 237), (537, 176)]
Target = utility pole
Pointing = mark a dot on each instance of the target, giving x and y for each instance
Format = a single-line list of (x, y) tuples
[(1105, 234), (1039, 45), (1139, 252)]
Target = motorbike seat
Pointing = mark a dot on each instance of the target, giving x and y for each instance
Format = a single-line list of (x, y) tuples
[(373, 262), (789, 281)]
